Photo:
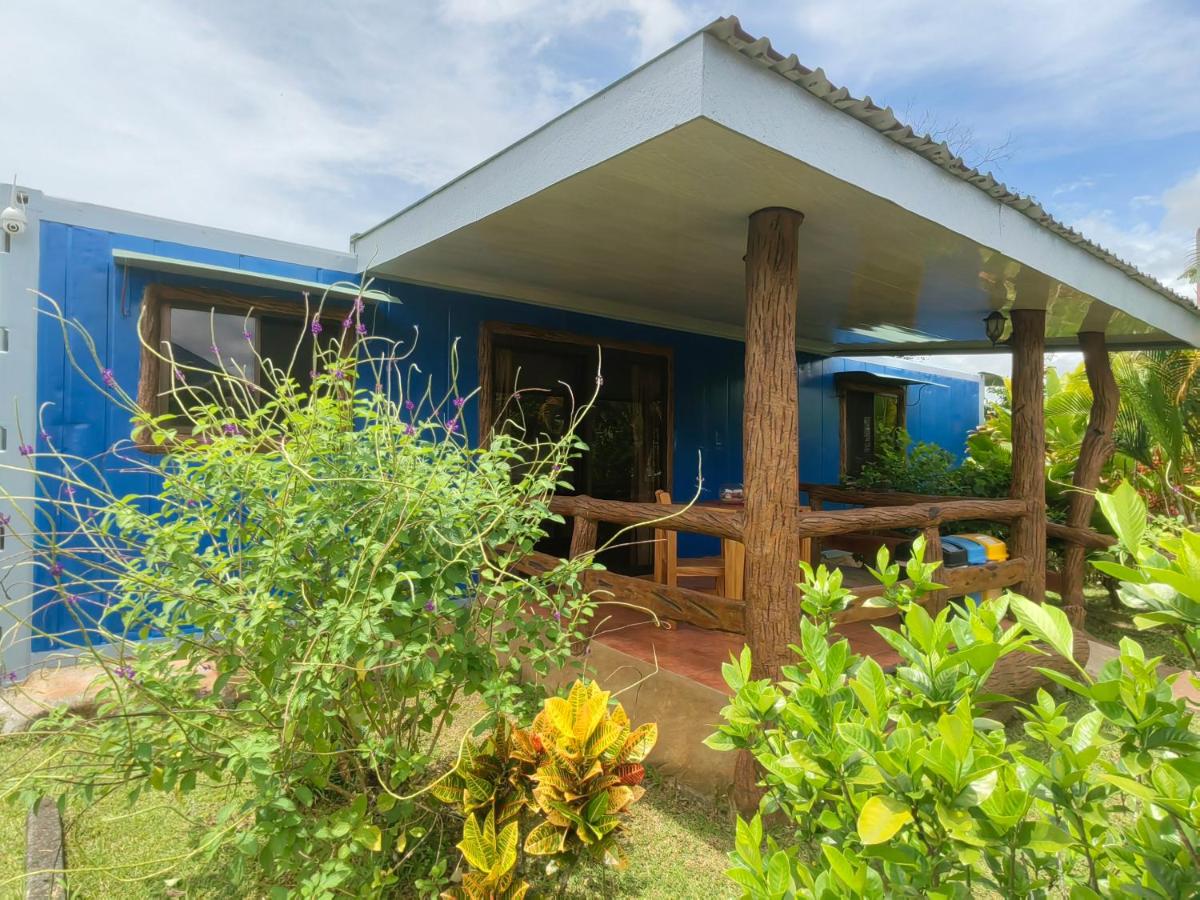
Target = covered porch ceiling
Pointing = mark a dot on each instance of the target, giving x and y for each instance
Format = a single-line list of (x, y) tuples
[(634, 205)]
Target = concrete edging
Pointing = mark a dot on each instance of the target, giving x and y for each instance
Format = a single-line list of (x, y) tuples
[(45, 853)]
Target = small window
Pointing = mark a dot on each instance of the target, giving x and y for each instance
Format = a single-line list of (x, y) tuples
[(869, 413), (201, 330)]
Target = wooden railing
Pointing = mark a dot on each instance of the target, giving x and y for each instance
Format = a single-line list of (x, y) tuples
[(712, 611), (819, 493)]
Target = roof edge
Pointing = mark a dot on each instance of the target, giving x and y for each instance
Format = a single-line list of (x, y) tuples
[(729, 31)]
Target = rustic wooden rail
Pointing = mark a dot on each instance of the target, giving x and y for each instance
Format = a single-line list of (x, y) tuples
[(1084, 537), (715, 612), (726, 523)]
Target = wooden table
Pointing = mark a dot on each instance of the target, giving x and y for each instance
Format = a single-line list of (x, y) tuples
[(733, 553)]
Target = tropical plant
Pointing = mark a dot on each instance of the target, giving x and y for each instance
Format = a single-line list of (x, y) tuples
[(900, 464), (328, 571), (899, 784), (564, 782)]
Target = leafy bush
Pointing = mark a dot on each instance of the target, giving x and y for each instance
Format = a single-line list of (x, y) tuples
[(572, 773), (921, 468), (899, 784), (327, 573)]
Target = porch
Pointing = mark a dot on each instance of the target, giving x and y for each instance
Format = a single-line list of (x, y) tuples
[(725, 190)]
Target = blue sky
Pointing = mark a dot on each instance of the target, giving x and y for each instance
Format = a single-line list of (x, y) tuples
[(309, 122)]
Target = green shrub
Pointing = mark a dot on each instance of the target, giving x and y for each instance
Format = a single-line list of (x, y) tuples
[(900, 785), (338, 562), (555, 791), (921, 468)]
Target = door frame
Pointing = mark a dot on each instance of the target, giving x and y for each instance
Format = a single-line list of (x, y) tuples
[(490, 330)]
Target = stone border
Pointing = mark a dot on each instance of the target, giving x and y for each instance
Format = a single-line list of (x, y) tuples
[(45, 853)]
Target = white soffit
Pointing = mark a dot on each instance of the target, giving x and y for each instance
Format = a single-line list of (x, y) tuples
[(634, 204)]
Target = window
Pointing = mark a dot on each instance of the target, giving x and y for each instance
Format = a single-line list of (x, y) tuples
[(869, 412), (189, 325)]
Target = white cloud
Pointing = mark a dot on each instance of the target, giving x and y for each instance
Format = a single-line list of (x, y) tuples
[(301, 121), (1162, 248)]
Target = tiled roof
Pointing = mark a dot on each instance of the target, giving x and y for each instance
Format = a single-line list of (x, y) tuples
[(883, 120)]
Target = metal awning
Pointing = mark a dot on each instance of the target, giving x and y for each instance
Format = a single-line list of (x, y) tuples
[(863, 376), (172, 265)]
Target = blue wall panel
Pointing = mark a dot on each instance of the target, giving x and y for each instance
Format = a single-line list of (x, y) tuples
[(77, 270)]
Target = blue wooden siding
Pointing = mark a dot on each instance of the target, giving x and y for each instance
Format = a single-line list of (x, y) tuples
[(77, 270)]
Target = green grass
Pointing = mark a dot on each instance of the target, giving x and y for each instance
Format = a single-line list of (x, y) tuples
[(676, 843), (1110, 624), (114, 849)]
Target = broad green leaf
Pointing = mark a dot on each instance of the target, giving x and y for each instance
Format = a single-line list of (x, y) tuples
[(881, 818), (1126, 513), (1047, 623)]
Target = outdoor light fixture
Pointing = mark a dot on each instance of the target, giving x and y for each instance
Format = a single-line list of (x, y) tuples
[(994, 326)]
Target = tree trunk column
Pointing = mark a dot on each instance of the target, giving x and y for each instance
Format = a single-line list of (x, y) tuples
[(1028, 539), (1095, 450), (771, 438)]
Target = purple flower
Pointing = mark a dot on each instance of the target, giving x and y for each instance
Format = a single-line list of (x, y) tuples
[(557, 616), (180, 377), (56, 570), (231, 428), (247, 335), (346, 322), (70, 491), (409, 405), (460, 402), (361, 329), (429, 607), (408, 429), (25, 450), (108, 378), (45, 436), (125, 672), (338, 374), (11, 676), (312, 373), (452, 426), (5, 520), (72, 599), (316, 326), (216, 351), (358, 304)]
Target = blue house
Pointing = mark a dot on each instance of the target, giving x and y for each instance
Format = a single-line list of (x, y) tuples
[(722, 209), (104, 265)]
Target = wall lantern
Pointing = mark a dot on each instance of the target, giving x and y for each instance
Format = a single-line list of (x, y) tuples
[(994, 326)]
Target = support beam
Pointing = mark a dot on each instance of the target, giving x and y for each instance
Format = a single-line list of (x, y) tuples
[(771, 455), (1096, 450), (1028, 539), (771, 437)]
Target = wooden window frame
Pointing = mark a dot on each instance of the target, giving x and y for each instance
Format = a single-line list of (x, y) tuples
[(489, 331), (866, 386), (158, 299)]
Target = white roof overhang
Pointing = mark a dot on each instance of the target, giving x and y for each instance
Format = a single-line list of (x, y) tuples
[(634, 205)]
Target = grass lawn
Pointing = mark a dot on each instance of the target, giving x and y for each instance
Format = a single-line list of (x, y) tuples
[(1108, 624), (676, 844)]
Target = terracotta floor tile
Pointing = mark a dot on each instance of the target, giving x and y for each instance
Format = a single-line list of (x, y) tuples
[(697, 653)]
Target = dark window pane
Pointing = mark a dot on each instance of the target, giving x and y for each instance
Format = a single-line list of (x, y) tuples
[(193, 335), (278, 336)]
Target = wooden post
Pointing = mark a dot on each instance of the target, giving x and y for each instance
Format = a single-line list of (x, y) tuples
[(933, 553), (771, 453), (583, 537), (1028, 539), (771, 437), (1094, 452)]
